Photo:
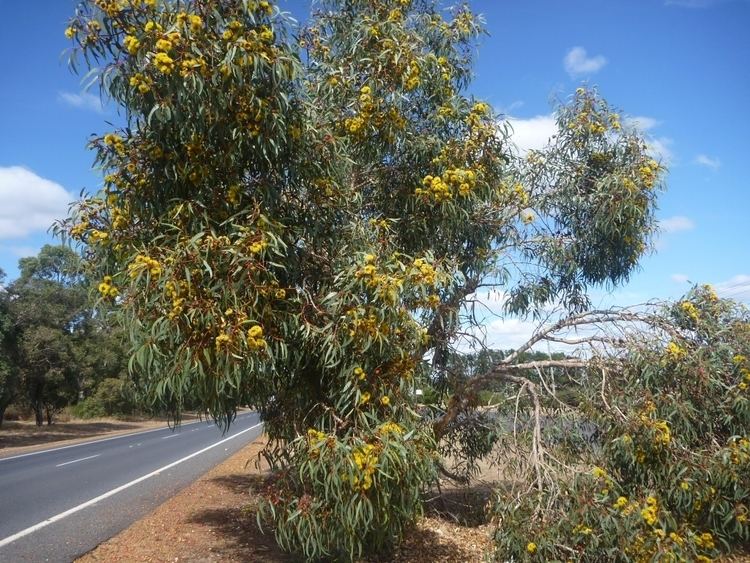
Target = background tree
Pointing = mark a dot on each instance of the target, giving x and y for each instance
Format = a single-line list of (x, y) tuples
[(48, 303), (296, 218), (8, 360)]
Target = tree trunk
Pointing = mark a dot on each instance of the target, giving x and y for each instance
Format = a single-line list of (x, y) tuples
[(39, 414), (49, 415), (2, 413)]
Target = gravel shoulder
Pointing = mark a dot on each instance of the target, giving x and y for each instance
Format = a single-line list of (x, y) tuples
[(214, 520)]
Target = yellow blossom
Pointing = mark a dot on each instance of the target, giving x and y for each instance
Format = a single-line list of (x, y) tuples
[(164, 63), (531, 547), (222, 341), (164, 45), (385, 400), (131, 44)]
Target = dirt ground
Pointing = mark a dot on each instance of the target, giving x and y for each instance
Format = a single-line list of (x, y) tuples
[(18, 437), (214, 520)]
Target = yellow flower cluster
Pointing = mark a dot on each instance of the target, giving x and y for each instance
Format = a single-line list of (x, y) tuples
[(164, 63), (582, 529), (255, 340), (531, 547), (479, 112), (739, 451), (662, 435), (177, 308), (190, 65), (152, 26), (70, 32), (115, 141), (599, 473), (265, 7), (355, 124), (315, 436), (741, 361), (385, 400), (705, 541), (390, 427), (141, 82), (77, 230), (647, 173), (364, 325), (423, 272), (442, 188), (233, 30), (366, 461), (412, 78), (194, 21), (690, 310), (388, 287), (620, 503), (107, 288), (675, 352), (131, 44), (359, 373), (258, 246), (222, 341), (650, 513), (520, 193), (143, 263), (364, 398), (96, 236)]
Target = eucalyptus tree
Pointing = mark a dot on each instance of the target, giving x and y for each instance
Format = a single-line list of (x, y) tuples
[(295, 218)]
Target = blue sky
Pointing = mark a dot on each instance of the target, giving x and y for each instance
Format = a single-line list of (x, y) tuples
[(679, 67)]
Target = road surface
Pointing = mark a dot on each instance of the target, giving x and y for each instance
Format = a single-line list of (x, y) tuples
[(59, 503)]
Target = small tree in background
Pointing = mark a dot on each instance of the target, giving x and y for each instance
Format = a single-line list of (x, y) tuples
[(9, 379), (48, 304), (296, 218)]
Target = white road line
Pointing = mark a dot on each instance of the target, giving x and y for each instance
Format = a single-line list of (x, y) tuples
[(104, 440), (53, 519), (77, 460), (170, 436)]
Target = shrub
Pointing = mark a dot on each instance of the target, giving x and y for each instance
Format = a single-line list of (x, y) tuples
[(670, 478), (112, 397)]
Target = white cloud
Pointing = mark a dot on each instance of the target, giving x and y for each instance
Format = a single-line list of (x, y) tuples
[(640, 122), (577, 62), (696, 3), (508, 333), (29, 202), (659, 148), (532, 133), (737, 288), (676, 224), (710, 162), (679, 278), (23, 251), (83, 100)]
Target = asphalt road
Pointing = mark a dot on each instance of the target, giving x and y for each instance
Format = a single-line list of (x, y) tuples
[(57, 504)]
